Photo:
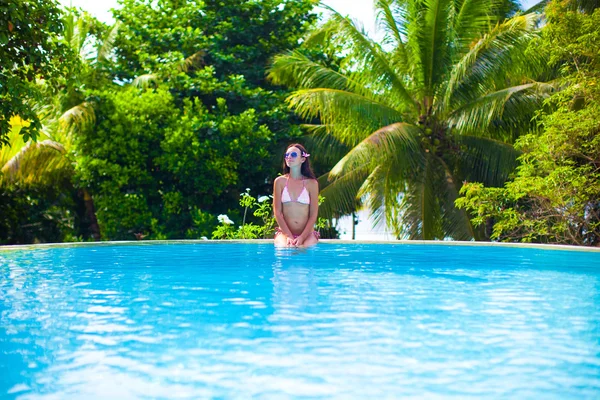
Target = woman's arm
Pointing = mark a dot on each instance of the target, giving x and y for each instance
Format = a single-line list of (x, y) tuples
[(278, 208), (313, 192)]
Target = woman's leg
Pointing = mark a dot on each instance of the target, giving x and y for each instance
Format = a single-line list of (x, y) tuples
[(311, 240)]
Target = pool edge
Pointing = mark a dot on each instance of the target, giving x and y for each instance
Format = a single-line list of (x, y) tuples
[(323, 241)]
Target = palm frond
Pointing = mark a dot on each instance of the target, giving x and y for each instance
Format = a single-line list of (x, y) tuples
[(295, 69), (382, 191), (106, 46), (80, 116), (374, 60), (329, 149), (83, 26), (341, 194), (68, 32), (319, 36), (33, 161), (194, 61), (386, 158), (396, 143), (350, 117), (385, 18), (388, 21), (497, 53), (473, 18), (538, 8), (390, 155), (145, 81), (586, 6), (435, 41), (485, 160), (511, 107), (76, 32)]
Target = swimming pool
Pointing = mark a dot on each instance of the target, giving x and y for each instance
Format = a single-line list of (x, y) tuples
[(224, 320)]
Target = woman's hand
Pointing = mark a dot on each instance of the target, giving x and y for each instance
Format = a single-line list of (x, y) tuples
[(299, 241), (290, 241)]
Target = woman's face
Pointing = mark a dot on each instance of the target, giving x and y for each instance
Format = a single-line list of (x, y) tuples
[(293, 157)]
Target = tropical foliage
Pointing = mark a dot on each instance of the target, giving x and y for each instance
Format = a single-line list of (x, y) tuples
[(554, 197), (163, 124), (46, 166), (436, 103), (30, 50)]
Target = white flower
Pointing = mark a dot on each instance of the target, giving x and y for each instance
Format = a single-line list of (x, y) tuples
[(247, 189), (263, 198), (224, 219)]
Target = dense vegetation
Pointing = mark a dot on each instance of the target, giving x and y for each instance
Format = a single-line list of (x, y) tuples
[(169, 123), (555, 194), (162, 126)]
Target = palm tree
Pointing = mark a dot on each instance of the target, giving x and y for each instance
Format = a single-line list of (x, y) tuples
[(438, 102)]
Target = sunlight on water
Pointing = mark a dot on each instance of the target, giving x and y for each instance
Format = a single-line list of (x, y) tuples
[(336, 321)]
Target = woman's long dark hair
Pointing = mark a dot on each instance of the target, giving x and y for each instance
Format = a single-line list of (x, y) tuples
[(305, 168)]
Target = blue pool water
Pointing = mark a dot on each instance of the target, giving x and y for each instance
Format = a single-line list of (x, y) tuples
[(338, 321)]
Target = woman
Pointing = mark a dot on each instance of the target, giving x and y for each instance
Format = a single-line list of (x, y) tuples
[(296, 200)]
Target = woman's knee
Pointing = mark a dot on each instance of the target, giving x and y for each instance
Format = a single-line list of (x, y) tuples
[(311, 241), (280, 240)]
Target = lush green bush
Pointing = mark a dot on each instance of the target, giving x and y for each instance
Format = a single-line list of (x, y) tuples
[(260, 207), (155, 170)]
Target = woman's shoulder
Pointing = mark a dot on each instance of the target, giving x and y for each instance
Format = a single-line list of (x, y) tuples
[(312, 182), (280, 178)]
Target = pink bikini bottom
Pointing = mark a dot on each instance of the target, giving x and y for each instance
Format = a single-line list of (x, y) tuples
[(279, 231)]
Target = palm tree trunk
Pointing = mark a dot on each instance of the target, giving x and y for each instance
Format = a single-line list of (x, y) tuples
[(90, 212)]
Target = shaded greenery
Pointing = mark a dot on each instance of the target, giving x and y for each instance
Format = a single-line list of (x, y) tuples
[(235, 37), (555, 195), (34, 214)]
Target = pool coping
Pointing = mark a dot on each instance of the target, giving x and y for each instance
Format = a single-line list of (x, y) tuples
[(323, 241)]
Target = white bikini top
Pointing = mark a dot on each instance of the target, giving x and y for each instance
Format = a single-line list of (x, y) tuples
[(304, 198)]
